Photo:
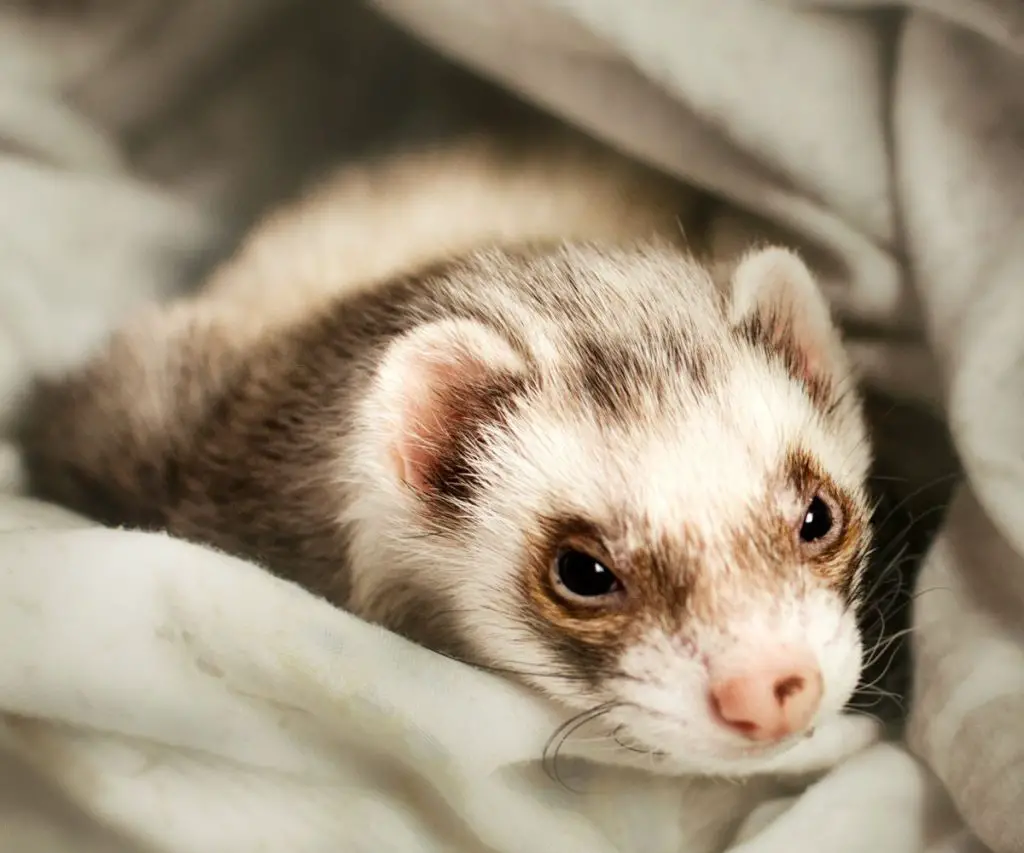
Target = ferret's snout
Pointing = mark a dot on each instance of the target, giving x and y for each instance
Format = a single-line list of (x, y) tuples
[(773, 694)]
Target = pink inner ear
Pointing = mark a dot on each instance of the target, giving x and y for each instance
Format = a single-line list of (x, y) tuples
[(431, 414), (436, 387), (777, 286), (804, 352)]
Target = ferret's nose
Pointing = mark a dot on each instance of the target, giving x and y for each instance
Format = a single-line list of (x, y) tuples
[(774, 695)]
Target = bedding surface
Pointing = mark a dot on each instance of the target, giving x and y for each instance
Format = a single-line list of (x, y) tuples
[(159, 696)]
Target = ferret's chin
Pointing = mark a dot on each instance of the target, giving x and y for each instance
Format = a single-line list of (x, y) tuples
[(696, 744), (725, 761), (833, 739), (706, 757)]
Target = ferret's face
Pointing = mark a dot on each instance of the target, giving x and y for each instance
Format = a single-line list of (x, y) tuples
[(677, 542), (696, 575)]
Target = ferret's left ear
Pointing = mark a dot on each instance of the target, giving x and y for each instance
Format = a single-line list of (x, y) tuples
[(777, 303)]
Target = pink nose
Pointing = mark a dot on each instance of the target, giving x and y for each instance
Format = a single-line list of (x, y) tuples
[(775, 694)]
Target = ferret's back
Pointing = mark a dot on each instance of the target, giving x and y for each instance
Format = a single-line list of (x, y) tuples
[(371, 222)]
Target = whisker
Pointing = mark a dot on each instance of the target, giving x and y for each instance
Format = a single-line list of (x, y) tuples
[(880, 649), (616, 737), (915, 493), (563, 733)]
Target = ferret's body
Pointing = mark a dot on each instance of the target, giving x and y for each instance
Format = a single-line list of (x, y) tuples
[(452, 390), (325, 278)]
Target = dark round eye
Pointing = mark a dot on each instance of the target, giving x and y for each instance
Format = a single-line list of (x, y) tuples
[(817, 523), (820, 525), (584, 577)]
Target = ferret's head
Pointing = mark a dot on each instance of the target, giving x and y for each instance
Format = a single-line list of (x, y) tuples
[(633, 488)]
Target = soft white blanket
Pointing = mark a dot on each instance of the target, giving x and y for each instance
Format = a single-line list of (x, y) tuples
[(159, 696)]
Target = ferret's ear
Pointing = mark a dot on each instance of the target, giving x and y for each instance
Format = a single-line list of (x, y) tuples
[(777, 303), (439, 386)]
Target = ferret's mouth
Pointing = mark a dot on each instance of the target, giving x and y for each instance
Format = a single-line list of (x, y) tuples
[(768, 750)]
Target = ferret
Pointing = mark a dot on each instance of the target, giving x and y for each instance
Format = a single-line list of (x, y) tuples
[(496, 402)]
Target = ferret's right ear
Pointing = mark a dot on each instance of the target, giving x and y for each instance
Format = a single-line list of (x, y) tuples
[(777, 303), (438, 387)]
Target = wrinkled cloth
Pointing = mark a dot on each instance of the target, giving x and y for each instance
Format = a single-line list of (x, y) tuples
[(160, 696)]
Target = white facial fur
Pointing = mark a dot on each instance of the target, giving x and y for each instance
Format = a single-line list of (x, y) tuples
[(692, 473)]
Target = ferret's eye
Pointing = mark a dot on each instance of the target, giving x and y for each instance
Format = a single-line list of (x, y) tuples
[(821, 523), (580, 576)]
